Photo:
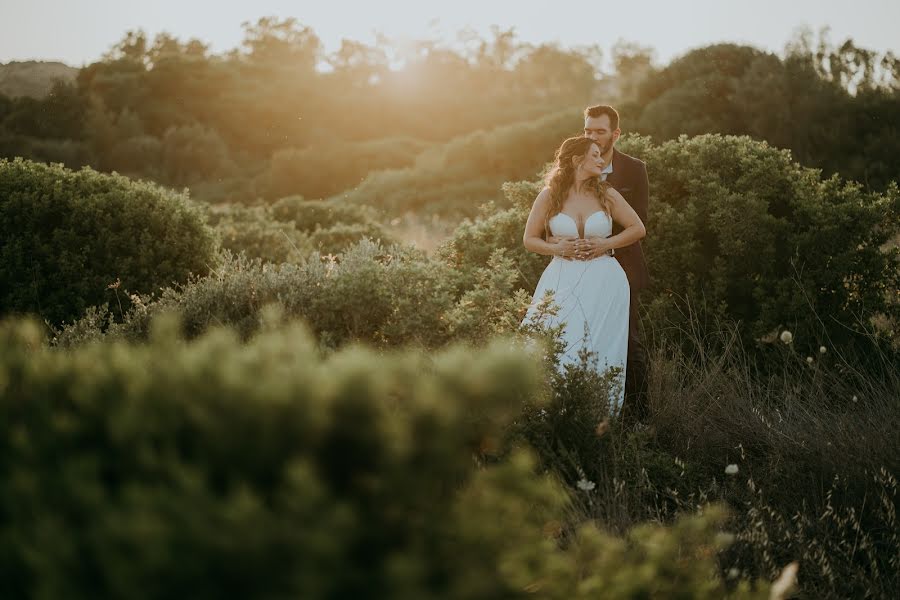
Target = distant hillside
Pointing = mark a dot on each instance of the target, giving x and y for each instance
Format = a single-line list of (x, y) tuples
[(33, 78)]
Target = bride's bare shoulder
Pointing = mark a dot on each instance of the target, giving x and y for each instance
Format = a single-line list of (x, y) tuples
[(543, 196), (614, 195)]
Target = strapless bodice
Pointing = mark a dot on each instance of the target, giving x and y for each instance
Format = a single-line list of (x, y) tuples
[(597, 224)]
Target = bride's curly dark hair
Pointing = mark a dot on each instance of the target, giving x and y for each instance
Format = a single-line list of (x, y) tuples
[(561, 177)]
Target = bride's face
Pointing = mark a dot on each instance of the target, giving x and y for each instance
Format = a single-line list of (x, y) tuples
[(592, 163)]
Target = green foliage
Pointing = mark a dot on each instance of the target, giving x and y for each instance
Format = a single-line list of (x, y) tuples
[(67, 235), (253, 231), (826, 104), (193, 152), (140, 470), (310, 215), (761, 240), (49, 128), (457, 177), (383, 296), (326, 168), (58, 115), (293, 228)]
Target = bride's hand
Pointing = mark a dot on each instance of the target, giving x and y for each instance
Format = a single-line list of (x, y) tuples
[(565, 247), (590, 248)]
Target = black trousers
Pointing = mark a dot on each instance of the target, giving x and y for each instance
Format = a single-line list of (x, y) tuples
[(635, 407)]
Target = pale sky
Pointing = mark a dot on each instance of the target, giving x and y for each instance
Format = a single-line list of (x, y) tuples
[(77, 32)]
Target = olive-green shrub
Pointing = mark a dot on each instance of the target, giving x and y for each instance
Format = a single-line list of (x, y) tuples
[(65, 236)]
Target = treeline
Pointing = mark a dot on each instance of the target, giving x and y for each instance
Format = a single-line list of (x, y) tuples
[(174, 112), (280, 117), (834, 107)]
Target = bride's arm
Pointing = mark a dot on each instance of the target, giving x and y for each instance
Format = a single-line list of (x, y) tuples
[(533, 238), (621, 213)]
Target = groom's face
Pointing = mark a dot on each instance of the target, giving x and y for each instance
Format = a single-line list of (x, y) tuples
[(599, 130)]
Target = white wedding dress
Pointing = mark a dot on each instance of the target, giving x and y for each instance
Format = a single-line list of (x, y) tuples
[(593, 298)]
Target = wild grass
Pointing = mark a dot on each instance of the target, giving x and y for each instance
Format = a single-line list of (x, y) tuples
[(811, 444)]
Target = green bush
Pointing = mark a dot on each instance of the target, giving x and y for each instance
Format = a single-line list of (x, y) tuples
[(252, 230), (67, 235), (310, 215), (74, 154), (340, 237), (293, 228), (383, 296), (213, 468), (768, 243)]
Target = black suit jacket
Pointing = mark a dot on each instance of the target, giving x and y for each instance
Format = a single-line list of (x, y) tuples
[(629, 178)]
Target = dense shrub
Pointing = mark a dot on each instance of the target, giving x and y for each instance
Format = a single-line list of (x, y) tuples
[(767, 242), (737, 227), (215, 468), (293, 228), (310, 215), (380, 295), (68, 235), (253, 231)]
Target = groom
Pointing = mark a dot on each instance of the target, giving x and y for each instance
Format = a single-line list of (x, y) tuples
[(628, 176)]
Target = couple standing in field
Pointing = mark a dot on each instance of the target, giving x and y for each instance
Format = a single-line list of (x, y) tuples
[(590, 218)]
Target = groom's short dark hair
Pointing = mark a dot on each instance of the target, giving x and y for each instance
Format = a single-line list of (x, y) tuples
[(603, 109)]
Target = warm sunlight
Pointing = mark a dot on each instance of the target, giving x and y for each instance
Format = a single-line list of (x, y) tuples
[(459, 300)]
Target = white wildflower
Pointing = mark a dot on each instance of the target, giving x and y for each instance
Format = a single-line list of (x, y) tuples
[(809, 359), (731, 469), (855, 399), (787, 337), (733, 573), (584, 484), (785, 583), (822, 349)]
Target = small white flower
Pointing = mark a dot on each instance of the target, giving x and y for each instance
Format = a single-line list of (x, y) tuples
[(822, 349), (787, 337), (584, 484), (733, 573), (809, 359), (731, 469), (855, 398)]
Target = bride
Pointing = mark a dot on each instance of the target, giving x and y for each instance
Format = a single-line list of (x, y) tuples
[(588, 285)]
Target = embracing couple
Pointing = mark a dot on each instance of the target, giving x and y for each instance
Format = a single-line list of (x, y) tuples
[(590, 217)]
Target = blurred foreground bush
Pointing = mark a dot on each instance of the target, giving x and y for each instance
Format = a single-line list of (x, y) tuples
[(217, 469), (65, 236)]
